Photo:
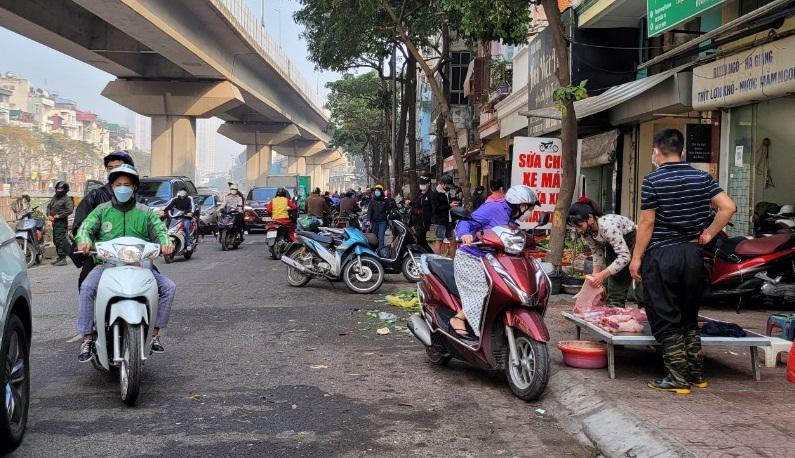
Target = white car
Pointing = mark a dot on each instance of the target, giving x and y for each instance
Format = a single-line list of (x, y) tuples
[(15, 332)]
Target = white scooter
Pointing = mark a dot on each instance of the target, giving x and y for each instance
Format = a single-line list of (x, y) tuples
[(125, 309)]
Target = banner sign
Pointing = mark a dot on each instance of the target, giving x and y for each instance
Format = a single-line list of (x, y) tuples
[(663, 15), (698, 143), (537, 163), (448, 164), (764, 72)]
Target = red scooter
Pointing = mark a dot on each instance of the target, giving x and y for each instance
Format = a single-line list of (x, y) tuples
[(513, 335), (743, 267)]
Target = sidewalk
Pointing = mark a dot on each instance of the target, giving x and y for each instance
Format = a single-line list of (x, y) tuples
[(735, 416)]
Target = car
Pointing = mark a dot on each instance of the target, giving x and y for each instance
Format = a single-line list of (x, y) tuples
[(257, 200), (15, 338), (156, 192), (209, 202)]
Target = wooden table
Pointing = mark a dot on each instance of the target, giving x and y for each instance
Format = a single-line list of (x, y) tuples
[(752, 341)]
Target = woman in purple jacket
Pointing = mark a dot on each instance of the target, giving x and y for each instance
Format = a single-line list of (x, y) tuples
[(470, 278)]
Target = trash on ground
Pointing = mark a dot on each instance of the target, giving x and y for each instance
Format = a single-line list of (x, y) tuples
[(387, 317), (541, 412), (404, 299), (382, 331), (294, 406)]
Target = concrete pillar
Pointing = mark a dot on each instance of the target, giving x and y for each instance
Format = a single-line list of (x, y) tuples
[(296, 164), (258, 164), (173, 145)]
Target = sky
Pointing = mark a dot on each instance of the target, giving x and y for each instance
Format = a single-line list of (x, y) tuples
[(78, 81)]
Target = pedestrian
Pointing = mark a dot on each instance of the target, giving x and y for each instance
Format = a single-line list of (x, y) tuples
[(349, 209), (478, 197), (611, 239), (497, 190), (378, 212), (422, 211), (58, 210), (676, 218), (92, 200), (316, 205), (441, 205)]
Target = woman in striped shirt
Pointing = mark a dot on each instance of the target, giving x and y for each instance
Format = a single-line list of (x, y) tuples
[(611, 239)]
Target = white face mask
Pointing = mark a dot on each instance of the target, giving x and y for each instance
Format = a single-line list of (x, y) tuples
[(654, 163), (526, 214)]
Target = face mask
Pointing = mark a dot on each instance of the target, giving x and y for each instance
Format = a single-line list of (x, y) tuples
[(378, 193), (423, 187), (123, 193), (446, 188), (654, 164)]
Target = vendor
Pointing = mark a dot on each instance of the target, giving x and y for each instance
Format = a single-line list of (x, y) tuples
[(611, 239)]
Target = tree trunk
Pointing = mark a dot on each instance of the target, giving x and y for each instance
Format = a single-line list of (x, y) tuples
[(568, 137), (411, 98), (400, 144), (436, 88)]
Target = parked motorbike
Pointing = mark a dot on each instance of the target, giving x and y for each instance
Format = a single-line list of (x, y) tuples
[(176, 232), (744, 267), (30, 236), (403, 254), (513, 335), (279, 237), (124, 310), (343, 254), (230, 235)]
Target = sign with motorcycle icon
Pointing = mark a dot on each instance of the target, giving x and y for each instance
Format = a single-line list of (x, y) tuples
[(538, 163)]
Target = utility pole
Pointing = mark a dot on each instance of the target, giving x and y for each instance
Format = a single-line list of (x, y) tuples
[(262, 13), (393, 71)]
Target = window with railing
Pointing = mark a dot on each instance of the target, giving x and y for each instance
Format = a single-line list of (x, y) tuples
[(459, 63)]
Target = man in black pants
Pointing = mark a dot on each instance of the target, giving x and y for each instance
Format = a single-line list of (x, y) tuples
[(676, 218)]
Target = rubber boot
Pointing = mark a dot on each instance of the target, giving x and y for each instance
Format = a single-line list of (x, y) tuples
[(61, 261), (695, 359), (675, 359)]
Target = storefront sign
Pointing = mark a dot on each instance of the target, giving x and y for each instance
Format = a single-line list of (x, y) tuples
[(764, 72), (542, 80), (448, 164), (664, 15), (698, 143), (537, 163)]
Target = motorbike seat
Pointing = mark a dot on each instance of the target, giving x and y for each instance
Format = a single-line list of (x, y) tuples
[(322, 238), (764, 245), (443, 269)]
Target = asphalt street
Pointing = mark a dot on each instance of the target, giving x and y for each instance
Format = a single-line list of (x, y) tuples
[(254, 367)]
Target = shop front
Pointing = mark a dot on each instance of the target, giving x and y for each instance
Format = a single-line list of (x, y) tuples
[(753, 89)]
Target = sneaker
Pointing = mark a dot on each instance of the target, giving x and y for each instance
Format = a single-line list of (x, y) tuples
[(59, 262), (86, 351), (698, 382), (667, 384), (157, 347)]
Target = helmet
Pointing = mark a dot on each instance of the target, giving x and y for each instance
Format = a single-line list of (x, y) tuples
[(446, 179), (119, 156), (316, 191), (62, 186), (378, 186), (520, 194), (182, 193), (786, 210), (124, 169), (281, 192)]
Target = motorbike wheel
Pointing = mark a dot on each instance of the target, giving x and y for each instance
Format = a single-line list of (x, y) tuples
[(30, 255), (15, 385), (359, 278), (411, 270), (169, 258), (528, 380), (131, 365), (294, 277), (437, 353), (187, 254), (222, 240)]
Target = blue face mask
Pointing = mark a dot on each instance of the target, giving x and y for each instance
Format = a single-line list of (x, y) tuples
[(123, 193), (378, 193)]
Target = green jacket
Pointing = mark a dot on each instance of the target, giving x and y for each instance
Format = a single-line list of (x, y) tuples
[(109, 221), (61, 207)]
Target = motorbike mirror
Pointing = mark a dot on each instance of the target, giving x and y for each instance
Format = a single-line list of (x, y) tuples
[(461, 213), (544, 219)]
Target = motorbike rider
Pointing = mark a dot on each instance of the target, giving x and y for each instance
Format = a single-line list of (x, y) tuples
[(184, 203), (280, 207), (470, 277), (234, 199), (58, 210), (122, 216), (91, 201), (348, 206), (316, 205), (611, 239)]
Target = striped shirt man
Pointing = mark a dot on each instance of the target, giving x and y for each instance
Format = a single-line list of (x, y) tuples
[(681, 197)]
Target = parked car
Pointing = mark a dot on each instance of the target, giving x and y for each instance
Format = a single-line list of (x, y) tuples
[(15, 337), (157, 191), (257, 200), (209, 203)]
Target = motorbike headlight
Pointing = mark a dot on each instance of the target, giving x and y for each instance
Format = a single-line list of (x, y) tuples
[(513, 242), (129, 254)]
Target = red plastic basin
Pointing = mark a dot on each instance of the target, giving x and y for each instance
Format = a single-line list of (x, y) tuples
[(584, 354)]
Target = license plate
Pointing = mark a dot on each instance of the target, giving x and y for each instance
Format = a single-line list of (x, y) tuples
[(266, 218), (271, 234)]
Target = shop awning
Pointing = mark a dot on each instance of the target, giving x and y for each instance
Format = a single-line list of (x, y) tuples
[(608, 99), (471, 155), (599, 149)]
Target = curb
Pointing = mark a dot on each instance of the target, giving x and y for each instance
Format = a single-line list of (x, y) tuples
[(598, 422)]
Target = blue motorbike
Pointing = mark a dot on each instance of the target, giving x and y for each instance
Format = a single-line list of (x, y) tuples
[(335, 254)]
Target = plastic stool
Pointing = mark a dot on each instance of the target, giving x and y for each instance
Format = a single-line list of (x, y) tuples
[(784, 322), (777, 346)]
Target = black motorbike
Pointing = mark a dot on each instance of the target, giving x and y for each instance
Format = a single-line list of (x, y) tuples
[(402, 255), (30, 236), (230, 233)]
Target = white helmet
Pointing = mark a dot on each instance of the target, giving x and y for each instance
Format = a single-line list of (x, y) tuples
[(520, 194), (182, 193), (786, 210)]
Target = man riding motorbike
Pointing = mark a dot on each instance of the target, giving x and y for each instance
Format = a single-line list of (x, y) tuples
[(317, 205), (184, 203), (91, 201), (234, 199), (122, 216), (280, 207)]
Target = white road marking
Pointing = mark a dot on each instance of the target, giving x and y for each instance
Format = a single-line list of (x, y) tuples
[(74, 339)]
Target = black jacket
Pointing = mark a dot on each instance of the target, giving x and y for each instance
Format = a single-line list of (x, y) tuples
[(94, 198), (440, 204), (185, 205), (422, 210), (478, 200), (378, 209)]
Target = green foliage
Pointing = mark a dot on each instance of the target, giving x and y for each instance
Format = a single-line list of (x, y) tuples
[(356, 103), (490, 20), (570, 93), (500, 73)]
